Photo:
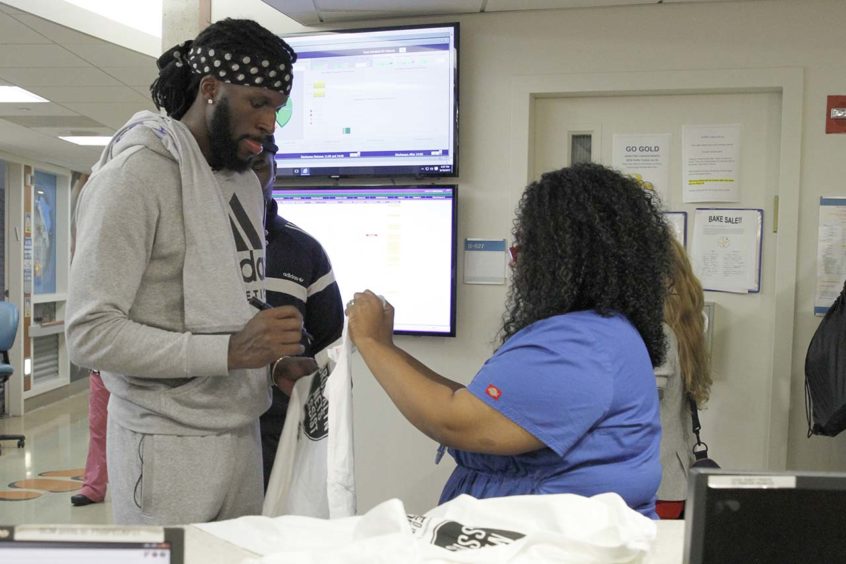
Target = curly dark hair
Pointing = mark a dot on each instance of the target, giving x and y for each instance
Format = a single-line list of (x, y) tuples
[(590, 238), (176, 87)]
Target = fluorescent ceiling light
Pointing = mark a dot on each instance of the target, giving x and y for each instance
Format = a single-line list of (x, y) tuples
[(17, 95), (96, 140)]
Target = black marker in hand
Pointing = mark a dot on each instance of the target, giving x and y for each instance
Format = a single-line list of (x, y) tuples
[(261, 305)]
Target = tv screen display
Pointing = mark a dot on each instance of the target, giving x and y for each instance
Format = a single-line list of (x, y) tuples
[(741, 517), (398, 241), (92, 544), (380, 103)]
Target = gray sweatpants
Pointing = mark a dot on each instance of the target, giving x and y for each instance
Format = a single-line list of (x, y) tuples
[(181, 479)]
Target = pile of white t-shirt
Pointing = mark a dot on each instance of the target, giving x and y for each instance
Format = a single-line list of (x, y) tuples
[(519, 529)]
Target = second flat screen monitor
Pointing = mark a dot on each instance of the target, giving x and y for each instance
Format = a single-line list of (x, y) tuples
[(379, 103), (397, 241)]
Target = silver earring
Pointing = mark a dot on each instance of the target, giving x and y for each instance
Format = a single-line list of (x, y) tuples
[(211, 101)]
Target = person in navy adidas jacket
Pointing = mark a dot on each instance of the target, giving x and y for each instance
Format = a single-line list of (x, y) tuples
[(298, 273)]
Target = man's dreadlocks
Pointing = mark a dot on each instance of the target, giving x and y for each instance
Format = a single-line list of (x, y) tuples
[(223, 47)]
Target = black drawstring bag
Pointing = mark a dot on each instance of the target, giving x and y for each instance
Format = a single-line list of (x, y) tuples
[(825, 373), (700, 449)]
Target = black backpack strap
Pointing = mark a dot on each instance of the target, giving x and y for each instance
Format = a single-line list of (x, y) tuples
[(700, 449), (809, 407)]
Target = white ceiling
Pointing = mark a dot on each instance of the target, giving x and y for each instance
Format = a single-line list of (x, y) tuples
[(314, 12), (94, 86)]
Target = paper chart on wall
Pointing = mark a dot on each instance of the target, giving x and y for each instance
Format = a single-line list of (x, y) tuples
[(646, 158), (677, 222), (831, 253), (711, 163), (726, 249)]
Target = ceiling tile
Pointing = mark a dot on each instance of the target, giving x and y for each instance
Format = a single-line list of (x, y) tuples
[(509, 5), (329, 11), (400, 6), (61, 94), (110, 114), (57, 76), (12, 32), (39, 56), (301, 11), (58, 33), (6, 9), (105, 54), (679, 1), (66, 122), (78, 132), (132, 76), (48, 109), (143, 90), (304, 12)]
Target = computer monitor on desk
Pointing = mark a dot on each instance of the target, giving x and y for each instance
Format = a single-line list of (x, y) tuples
[(765, 517), (92, 544)]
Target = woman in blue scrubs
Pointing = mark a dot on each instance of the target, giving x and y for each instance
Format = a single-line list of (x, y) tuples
[(567, 403)]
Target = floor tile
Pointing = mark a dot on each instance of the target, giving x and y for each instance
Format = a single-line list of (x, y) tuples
[(37, 481)]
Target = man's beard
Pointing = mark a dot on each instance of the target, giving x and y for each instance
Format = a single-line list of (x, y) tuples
[(224, 149)]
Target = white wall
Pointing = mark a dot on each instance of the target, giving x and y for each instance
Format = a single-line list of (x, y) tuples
[(396, 461)]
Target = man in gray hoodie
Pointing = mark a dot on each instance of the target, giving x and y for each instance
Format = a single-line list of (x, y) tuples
[(169, 250)]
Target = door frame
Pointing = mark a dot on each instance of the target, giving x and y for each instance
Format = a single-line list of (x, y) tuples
[(789, 82)]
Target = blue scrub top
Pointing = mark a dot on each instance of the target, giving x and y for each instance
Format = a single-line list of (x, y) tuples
[(583, 384)]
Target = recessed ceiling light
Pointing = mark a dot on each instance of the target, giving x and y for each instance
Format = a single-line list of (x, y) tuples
[(98, 140), (17, 95)]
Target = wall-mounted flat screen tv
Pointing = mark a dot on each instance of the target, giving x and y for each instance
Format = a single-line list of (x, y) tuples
[(379, 103), (398, 241)]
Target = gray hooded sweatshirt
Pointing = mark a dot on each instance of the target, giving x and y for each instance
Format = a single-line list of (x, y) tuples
[(167, 253)]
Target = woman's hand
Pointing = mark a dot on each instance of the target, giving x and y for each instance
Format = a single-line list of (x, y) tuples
[(371, 318), (287, 370)]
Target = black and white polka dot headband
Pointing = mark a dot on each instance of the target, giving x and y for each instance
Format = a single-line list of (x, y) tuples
[(236, 68)]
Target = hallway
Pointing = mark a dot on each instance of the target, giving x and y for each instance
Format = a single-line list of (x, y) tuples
[(37, 481)]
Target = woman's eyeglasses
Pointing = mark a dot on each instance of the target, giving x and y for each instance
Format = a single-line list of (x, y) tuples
[(513, 251)]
